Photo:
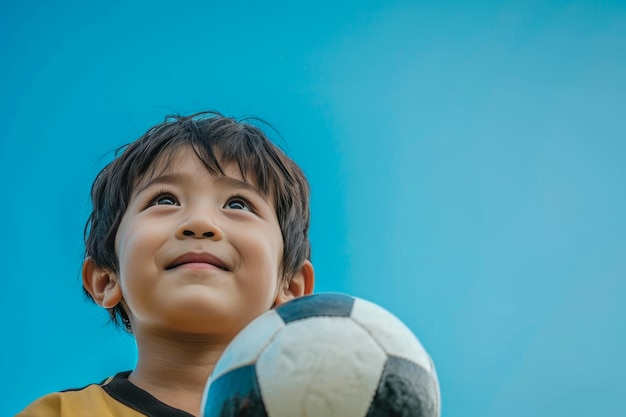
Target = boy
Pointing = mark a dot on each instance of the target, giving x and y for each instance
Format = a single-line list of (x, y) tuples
[(197, 228)]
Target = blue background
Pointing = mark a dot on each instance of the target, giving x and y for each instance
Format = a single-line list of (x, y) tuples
[(467, 164)]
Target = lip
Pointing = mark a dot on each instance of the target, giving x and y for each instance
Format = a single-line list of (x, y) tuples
[(197, 258)]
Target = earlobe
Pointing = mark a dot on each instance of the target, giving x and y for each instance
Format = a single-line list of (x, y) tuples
[(301, 283), (101, 284)]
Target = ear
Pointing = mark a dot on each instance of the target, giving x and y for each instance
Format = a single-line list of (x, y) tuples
[(102, 285), (301, 283)]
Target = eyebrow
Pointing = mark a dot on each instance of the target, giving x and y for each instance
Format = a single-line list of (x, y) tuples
[(223, 180), (235, 183), (161, 179)]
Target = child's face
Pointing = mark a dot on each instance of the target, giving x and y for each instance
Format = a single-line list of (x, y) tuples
[(197, 253)]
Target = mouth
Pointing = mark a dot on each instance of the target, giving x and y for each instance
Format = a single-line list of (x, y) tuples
[(196, 258)]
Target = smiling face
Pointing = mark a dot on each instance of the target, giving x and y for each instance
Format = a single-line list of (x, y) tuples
[(197, 253)]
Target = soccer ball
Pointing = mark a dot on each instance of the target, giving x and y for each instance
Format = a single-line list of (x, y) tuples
[(324, 355)]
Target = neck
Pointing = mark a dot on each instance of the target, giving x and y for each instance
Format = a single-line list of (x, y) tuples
[(174, 369)]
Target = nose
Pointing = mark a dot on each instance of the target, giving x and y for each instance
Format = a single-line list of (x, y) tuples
[(199, 226), (192, 233)]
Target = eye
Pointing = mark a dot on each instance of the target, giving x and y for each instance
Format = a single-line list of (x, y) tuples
[(238, 203), (164, 199)]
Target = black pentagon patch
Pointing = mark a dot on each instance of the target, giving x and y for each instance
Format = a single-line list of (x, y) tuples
[(405, 390), (316, 305), (236, 393)]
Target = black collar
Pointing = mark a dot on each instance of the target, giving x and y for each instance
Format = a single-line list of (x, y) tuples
[(131, 395)]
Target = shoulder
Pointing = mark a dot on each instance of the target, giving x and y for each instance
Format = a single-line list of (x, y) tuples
[(92, 400)]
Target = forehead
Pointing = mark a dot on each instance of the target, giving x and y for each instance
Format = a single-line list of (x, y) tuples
[(185, 158)]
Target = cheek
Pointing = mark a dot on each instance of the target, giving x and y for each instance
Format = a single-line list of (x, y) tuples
[(275, 257), (134, 249), (274, 252), (279, 251), (123, 244), (265, 263)]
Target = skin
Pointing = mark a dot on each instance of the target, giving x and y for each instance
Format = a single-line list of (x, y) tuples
[(199, 259)]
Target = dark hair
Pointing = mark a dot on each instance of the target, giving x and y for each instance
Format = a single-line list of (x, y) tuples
[(217, 141)]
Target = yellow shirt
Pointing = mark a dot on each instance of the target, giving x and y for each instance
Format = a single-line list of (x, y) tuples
[(115, 397)]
